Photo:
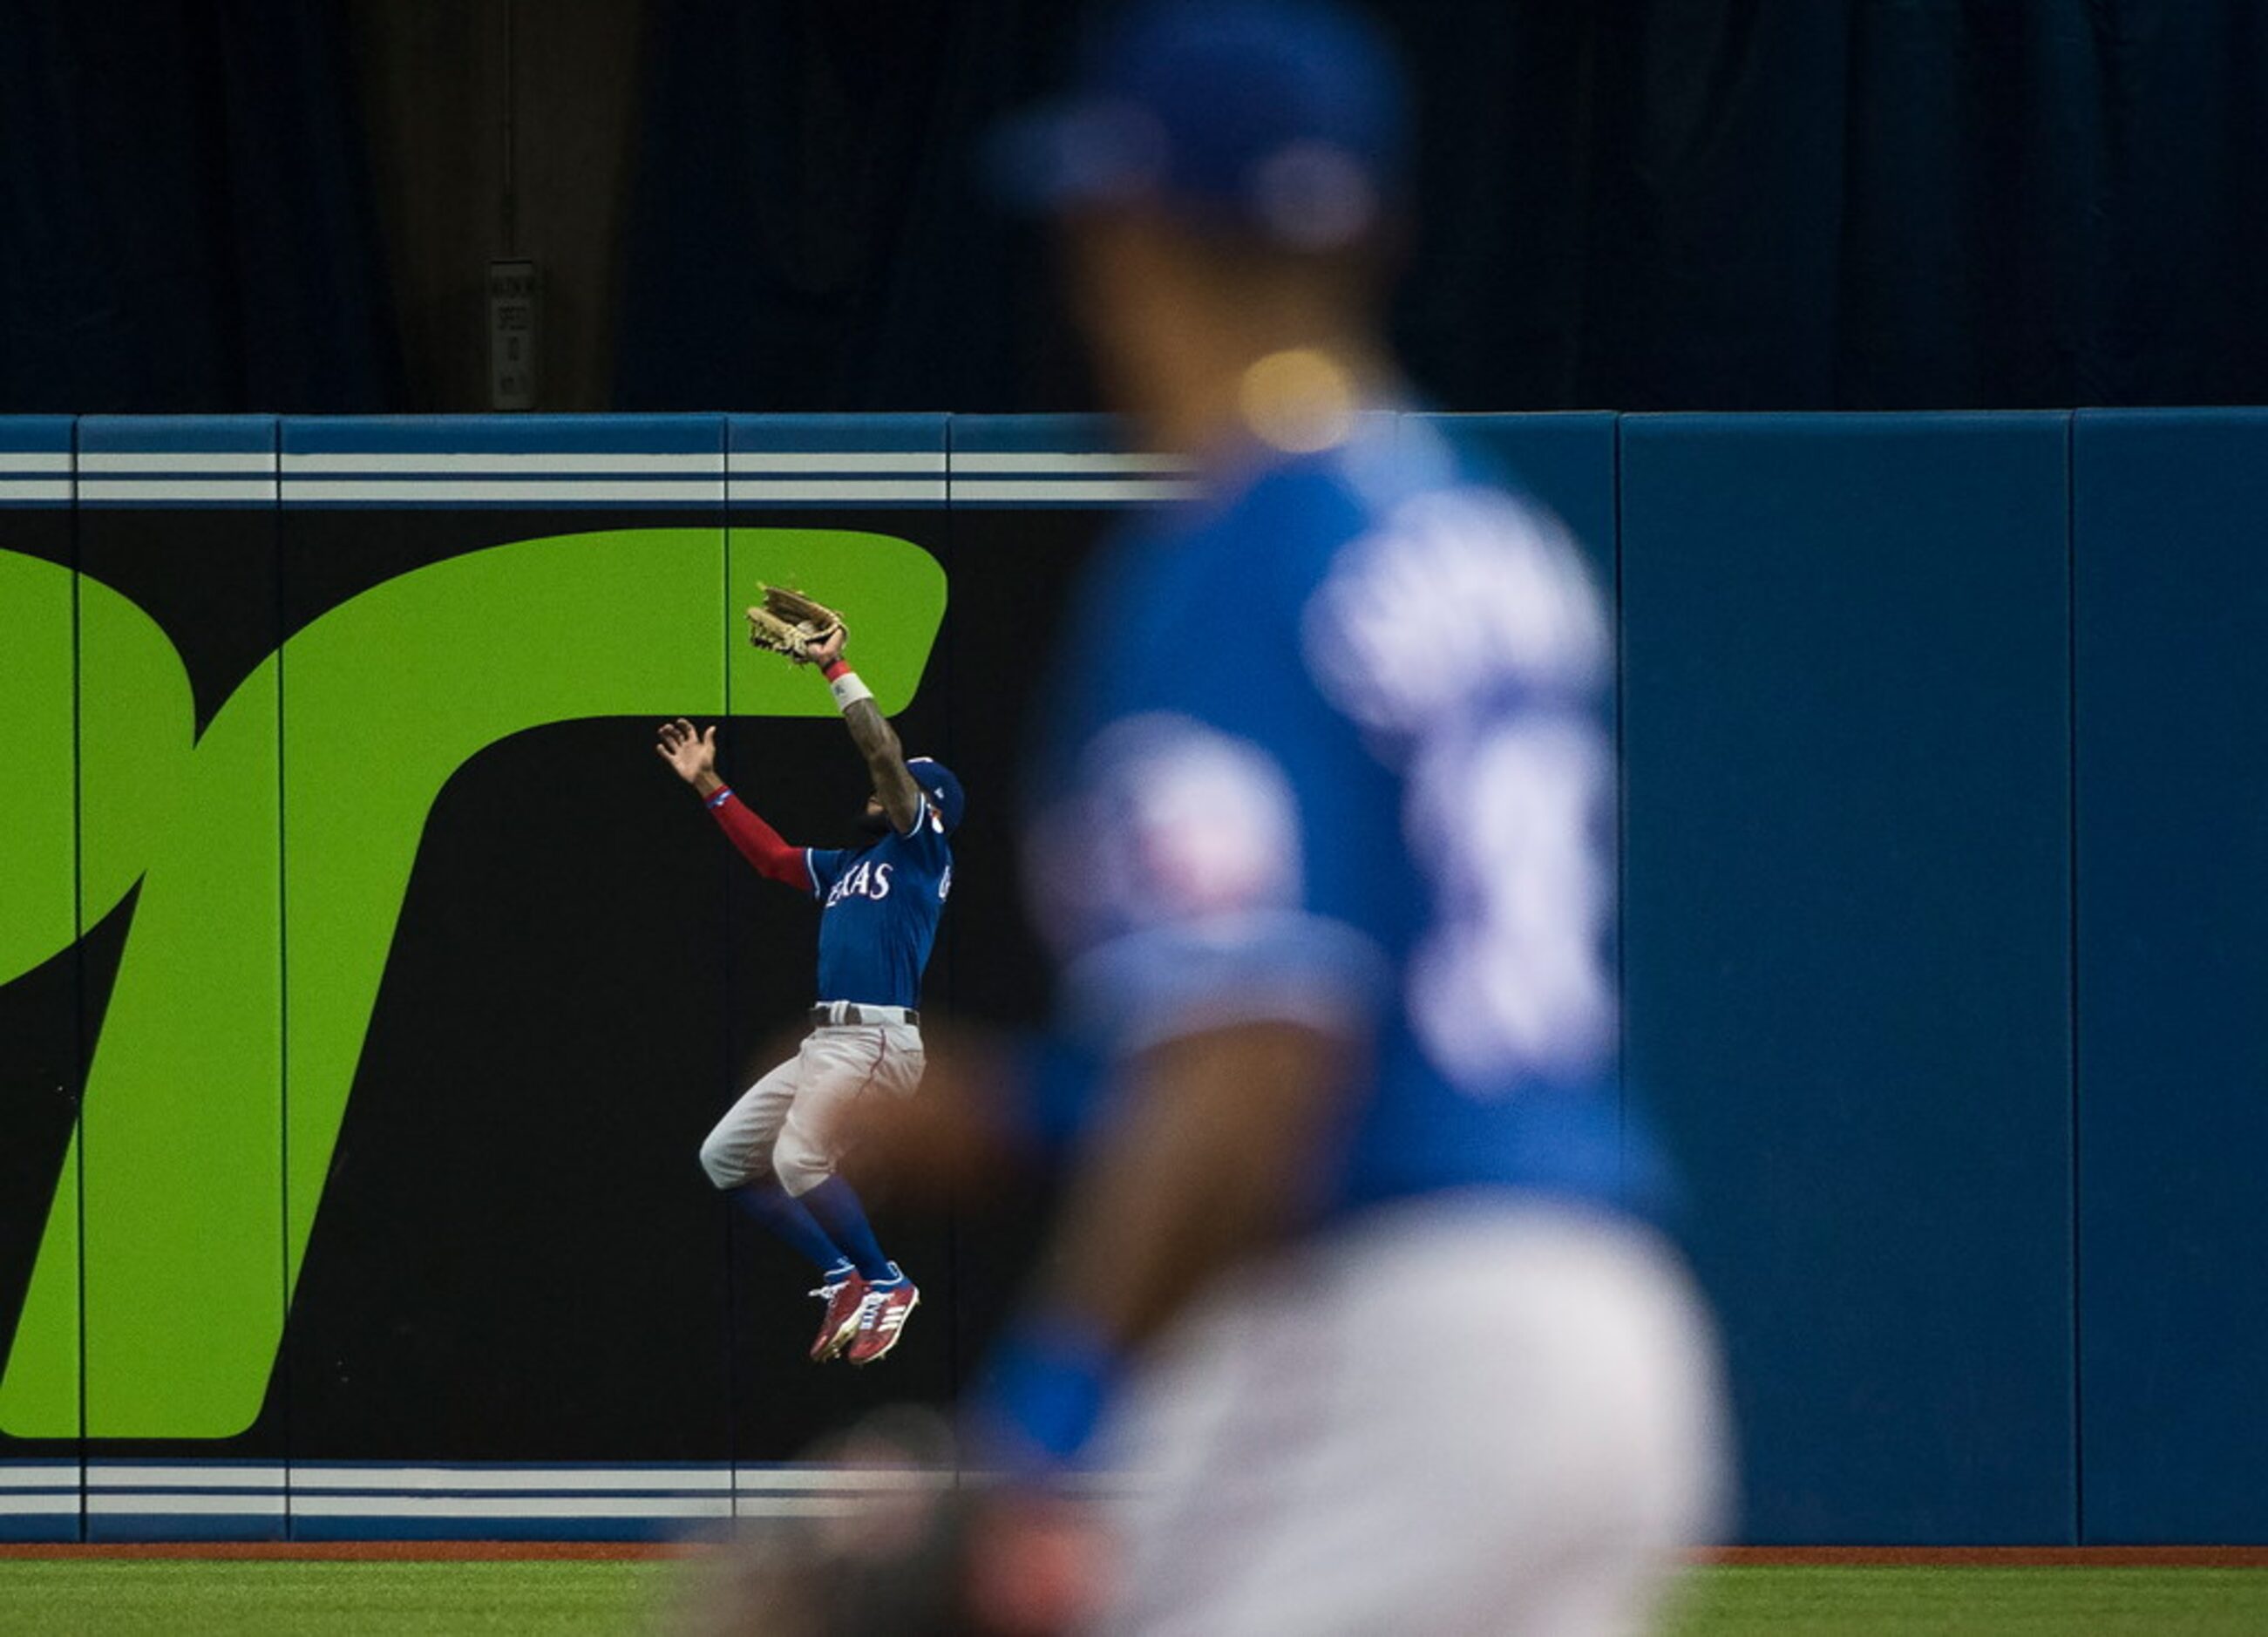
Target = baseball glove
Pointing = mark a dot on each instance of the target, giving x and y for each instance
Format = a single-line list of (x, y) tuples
[(789, 623)]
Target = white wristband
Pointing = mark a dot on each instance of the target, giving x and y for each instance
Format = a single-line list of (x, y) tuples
[(848, 690)]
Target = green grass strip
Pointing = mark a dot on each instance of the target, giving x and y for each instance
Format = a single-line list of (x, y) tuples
[(165, 1599), (100, 1597), (1923, 1601)]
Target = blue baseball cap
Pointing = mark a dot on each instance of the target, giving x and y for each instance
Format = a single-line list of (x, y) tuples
[(942, 788), (1285, 118)]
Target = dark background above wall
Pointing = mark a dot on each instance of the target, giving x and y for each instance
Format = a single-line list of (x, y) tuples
[(1715, 204)]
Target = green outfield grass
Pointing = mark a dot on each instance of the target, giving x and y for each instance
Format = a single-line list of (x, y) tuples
[(232, 1599), (96, 1598), (1853, 1601)]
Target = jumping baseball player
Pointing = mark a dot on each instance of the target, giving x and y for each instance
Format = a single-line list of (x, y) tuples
[(1355, 1255), (774, 1151)]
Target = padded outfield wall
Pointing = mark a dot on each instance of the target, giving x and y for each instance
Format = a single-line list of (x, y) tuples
[(366, 986)]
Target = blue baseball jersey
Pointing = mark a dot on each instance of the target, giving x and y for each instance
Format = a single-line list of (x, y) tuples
[(879, 910), (1336, 749)]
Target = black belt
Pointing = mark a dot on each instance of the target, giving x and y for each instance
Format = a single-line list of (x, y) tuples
[(836, 1014)]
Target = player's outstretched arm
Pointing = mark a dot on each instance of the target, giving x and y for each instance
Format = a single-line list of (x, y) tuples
[(876, 738), (1220, 1137), (1217, 1140), (692, 755)]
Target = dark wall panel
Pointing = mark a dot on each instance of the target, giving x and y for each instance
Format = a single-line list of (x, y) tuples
[(40, 1064), (505, 943), (1846, 915), (2171, 580), (1032, 497)]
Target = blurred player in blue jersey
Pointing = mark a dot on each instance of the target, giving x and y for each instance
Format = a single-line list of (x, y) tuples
[(774, 1151), (1355, 1258)]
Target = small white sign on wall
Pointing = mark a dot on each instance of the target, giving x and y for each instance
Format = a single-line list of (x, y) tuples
[(512, 287)]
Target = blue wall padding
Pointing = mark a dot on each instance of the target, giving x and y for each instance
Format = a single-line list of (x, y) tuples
[(1021, 434), (1847, 899), (2171, 639), (1567, 462), (177, 434), (827, 434), (502, 434)]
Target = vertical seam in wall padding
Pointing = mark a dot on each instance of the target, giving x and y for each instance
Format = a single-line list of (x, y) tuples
[(81, 1055), (955, 1366), (1622, 831), (284, 1371), (2071, 945), (724, 928)]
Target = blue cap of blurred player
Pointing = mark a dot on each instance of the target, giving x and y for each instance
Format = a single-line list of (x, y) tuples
[(943, 788), (1283, 119)]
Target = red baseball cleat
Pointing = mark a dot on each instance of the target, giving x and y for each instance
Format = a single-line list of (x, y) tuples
[(846, 1300), (882, 1320)]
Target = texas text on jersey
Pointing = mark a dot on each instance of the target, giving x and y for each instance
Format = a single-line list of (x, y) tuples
[(881, 904)]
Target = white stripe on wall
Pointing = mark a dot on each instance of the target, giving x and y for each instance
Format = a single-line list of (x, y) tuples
[(688, 479), (183, 460), (39, 1477), (35, 460), (177, 489), (136, 1504), (492, 1479), (799, 1506), (879, 460), (511, 1506), (975, 461), (189, 1475), (416, 1477), (531, 465), (777, 490), (530, 491), (194, 1489), (763, 1480), (1072, 491), (140, 1503), (503, 464)]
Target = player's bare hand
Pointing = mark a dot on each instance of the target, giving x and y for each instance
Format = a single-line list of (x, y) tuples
[(691, 754)]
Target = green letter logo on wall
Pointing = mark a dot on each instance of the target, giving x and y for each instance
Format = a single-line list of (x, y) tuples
[(273, 852)]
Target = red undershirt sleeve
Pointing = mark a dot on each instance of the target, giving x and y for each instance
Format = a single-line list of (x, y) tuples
[(758, 842)]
